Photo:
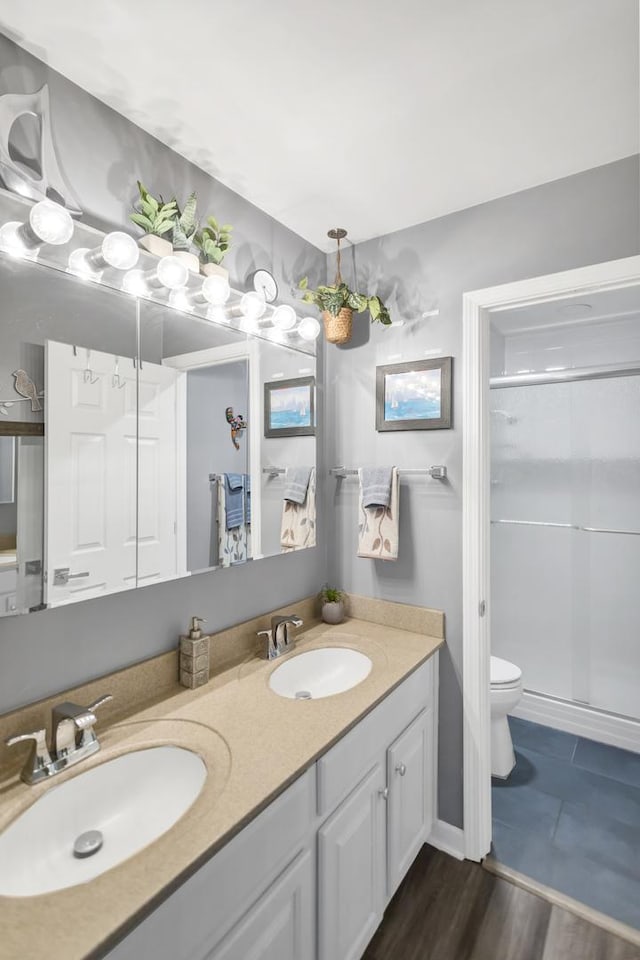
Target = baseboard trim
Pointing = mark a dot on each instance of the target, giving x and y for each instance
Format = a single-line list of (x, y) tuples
[(444, 836), (581, 720), (602, 920)]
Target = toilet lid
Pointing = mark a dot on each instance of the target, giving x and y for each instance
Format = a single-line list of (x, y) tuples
[(502, 671)]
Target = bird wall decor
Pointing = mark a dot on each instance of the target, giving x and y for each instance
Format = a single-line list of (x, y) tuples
[(25, 386), (237, 424)]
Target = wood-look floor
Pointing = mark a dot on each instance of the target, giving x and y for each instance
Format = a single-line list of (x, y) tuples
[(448, 909)]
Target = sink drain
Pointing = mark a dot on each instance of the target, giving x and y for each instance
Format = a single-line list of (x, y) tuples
[(303, 695), (87, 844)]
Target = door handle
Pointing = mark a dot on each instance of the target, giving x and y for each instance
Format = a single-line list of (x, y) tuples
[(401, 769), (384, 793), (62, 575)]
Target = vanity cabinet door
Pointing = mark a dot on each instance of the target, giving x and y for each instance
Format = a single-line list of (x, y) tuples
[(280, 926), (351, 871), (410, 805)]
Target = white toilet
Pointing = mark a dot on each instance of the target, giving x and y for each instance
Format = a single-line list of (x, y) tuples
[(506, 691)]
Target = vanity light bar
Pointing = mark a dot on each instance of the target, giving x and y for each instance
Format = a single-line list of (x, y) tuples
[(436, 473)]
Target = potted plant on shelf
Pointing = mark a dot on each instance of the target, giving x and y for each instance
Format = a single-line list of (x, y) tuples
[(213, 242), (185, 225), (332, 602), (337, 302), (156, 219)]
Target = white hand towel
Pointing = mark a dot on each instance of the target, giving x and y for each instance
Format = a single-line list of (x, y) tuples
[(378, 527), (298, 529)]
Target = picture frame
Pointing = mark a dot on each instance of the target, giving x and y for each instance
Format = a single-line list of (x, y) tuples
[(289, 408), (414, 396)]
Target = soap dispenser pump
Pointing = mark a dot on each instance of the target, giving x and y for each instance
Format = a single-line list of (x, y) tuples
[(194, 656)]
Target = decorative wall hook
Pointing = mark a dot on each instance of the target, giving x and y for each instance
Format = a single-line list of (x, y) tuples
[(87, 374), (116, 380), (237, 424)]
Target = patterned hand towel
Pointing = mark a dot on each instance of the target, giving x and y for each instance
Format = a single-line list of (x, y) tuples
[(298, 529), (234, 544), (378, 526), (375, 483), (247, 498), (234, 489), (296, 484)]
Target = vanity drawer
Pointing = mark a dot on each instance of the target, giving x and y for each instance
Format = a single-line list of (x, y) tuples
[(342, 768), (196, 917)]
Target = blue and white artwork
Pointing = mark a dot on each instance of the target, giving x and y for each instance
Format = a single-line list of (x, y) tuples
[(290, 407), (413, 395)]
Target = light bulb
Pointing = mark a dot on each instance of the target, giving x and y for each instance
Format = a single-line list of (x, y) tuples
[(252, 305), (309, 328), (11, 239), (216, 290), (284, 317), (170, 273), (134, 282), (217, 314), (50, 223), (80, 263), (179, 300), (119, 250)]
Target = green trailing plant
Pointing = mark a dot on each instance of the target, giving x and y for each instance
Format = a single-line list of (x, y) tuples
[(332, 595), (335, 297), (154, 216), (213, 241), (185, 224)]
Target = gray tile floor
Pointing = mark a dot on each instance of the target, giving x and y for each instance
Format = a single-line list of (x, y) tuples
[(569, 817)]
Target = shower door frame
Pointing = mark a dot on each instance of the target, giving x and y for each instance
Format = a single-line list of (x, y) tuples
[(478, 305)]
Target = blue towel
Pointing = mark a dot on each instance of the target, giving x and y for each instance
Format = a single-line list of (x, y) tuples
[(247, 498), (376, 486), (296, 484), (234, 500)]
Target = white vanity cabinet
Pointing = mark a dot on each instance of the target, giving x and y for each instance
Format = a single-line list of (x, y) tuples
[(311, 876)]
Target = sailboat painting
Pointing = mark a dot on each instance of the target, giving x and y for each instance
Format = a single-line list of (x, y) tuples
[(289, 408), (414, 396)]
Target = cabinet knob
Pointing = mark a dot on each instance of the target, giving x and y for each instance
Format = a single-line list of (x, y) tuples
[(384, 793), (401, 769)]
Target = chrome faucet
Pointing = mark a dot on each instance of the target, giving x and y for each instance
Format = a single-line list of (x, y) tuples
[(278, 641), (73, 738)]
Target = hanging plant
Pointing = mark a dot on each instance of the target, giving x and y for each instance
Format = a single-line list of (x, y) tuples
[(338, 301)]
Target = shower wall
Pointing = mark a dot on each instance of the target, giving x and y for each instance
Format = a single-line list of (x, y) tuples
[(565, 599)]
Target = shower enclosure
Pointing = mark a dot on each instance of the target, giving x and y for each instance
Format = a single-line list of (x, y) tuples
[(565, 535)]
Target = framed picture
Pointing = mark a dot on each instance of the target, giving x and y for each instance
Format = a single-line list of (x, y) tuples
[(289, 408), (414, 396)]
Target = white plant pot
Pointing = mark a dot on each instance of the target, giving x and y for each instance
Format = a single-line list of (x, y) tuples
[(214, 270), (190, 260), (333, 612), (157, 246)]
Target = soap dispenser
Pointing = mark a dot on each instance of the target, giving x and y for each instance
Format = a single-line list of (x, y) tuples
[(194, 656)]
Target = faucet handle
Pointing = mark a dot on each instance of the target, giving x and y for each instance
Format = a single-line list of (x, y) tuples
[(100, 702), (36, 767)]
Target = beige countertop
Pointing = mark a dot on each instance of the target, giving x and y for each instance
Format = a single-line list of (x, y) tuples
[(254, 743)]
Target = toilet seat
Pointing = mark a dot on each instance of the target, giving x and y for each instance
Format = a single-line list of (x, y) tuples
[(503, 673)]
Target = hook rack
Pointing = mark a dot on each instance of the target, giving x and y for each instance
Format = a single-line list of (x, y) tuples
[(436, 472)]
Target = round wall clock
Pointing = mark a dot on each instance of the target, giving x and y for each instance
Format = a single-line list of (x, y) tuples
[(265, 284)]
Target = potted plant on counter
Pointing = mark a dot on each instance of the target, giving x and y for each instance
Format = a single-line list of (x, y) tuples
[(156, 219), (332, 602), (185, 225), (213, 241)]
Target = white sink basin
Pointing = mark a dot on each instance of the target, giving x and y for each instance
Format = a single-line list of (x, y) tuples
[(131, 801), (320, 673)]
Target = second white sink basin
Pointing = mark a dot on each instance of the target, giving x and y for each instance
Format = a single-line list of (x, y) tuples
[(320, 673), (118, 807)]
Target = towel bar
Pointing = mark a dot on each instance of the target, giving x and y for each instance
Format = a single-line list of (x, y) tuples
[(436, 473)]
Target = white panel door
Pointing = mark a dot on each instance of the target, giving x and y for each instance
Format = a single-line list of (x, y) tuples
[(351, 871), (161, 455), (281, 925), (90, 506), (410, 813)]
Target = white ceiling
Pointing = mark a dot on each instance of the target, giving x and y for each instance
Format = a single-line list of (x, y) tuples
[(358, 113)]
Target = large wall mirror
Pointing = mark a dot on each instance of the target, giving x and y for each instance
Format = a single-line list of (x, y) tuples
[(141, 443)]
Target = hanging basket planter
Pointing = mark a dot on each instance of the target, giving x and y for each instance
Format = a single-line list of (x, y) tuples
[(338, 329), (338, 301)]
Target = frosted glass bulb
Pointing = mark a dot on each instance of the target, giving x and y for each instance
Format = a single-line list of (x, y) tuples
[(120, 250), (50, 222), (79, 261), (252, 305), (216, 290), (309, 328), (284, 317), (134, 283), (179, 300), (172, 273), (11, 238), (217, 314)]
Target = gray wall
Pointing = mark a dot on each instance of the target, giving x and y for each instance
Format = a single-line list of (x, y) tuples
[(572, 222), (102, 155)]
